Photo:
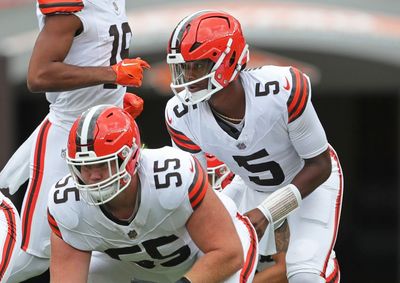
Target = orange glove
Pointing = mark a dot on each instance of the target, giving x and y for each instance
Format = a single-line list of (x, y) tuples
[(130, 72), (133, 104)]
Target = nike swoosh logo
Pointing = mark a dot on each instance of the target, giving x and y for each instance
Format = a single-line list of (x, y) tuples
[(287, 86), (128, 64), (191, 167)]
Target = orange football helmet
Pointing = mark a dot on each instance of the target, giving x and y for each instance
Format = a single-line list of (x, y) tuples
[(108, 136), (206, 52), (219, 175)]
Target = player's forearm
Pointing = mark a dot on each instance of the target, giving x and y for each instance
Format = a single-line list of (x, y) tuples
[(58, 76), (315, 171), (67, 264), (214, 267)]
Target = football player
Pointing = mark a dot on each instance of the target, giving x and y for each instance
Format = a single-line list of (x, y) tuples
[(10, 237), (149, 212), (80, 59), (262, 125), (270, 268)]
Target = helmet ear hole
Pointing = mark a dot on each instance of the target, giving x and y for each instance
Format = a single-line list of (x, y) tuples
[(233, 58), (194, 46)]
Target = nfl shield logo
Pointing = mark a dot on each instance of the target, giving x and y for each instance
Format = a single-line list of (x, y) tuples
[(241, 145), (132, 234)]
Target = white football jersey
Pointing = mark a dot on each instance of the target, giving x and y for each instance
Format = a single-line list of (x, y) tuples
[(105, 39), (281, 128), (172, 185)]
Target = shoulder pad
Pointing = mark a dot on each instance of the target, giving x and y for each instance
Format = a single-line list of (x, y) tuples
[(49, 7)]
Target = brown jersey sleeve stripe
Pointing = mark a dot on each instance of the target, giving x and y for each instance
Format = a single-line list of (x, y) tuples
[(182, 141), (297, 101), (301, 106), (35, 183), (64, 7), (53, 224), (295, 89), (9, 243), (199, 186), (251, 256)]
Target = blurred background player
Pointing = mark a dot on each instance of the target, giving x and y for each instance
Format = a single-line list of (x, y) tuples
[(271, 268), (149, 211), (219, 175), (79, 60), (10, 237)]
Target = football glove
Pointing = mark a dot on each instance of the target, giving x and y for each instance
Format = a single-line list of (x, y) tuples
[(130, 72), (133, 104)]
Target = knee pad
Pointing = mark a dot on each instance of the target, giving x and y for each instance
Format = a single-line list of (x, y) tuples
[(306, 278)]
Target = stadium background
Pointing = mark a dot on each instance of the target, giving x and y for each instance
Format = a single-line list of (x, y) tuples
[(350, 49)]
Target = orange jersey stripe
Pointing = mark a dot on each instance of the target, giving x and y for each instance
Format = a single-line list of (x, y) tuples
[(252, 256), (337, 210), (11, 237), (294, 94), (48, 7), (199, 186), (53, 224), (298, 97), (35, 183), (302, 103), (182, 141), (334, 276)]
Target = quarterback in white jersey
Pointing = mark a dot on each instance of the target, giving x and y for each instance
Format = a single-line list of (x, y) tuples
[(262, 125), (10, 237), (79, 61), (151, 211)]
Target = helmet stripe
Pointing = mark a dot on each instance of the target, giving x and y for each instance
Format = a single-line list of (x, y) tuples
[(85, 132), (177, 34)]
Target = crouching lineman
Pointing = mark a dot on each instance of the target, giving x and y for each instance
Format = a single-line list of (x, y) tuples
[(150, 212)]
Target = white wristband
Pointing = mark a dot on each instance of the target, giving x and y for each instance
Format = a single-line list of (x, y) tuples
[(280, 203)]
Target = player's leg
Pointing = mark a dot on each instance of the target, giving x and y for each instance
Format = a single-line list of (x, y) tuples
[(16, 171), (333, 270), (47, 166), (313, 230), (249, 240), (10, 237), (27, 266)]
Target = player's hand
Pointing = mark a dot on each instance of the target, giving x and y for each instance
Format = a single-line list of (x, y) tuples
[(133, 104), (130, 72), (257, 218)]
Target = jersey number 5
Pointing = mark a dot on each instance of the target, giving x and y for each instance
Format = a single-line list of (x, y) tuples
[(277, 175)]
